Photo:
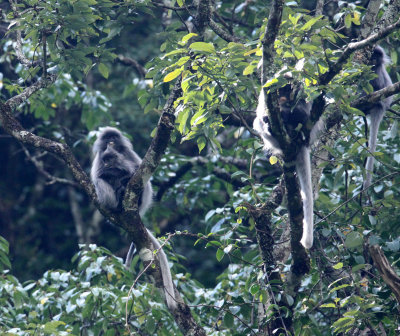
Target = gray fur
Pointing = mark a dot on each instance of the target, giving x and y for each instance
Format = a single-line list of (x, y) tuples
[(303, 164), (376, 111), (127, 160)]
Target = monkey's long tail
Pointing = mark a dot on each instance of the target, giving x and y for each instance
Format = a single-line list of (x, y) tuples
[(165, 271), (376, 116), (169, 289), (303, 169)]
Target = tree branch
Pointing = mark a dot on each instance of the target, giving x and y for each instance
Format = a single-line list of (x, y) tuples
[(12, 126), (387, 272), (352, 47), (319, 7), (18, 43), (376, 96), (370, 18), (222, 33), (131, 62), (203, 16), (130, 219), (270, 34), (39, 166)]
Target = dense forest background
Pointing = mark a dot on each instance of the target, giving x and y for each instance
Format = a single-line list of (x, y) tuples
[(220, 202)]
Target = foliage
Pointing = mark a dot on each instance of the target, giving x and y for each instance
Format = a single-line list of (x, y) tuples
[(216, 259)]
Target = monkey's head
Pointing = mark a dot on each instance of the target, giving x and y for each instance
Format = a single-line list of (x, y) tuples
[(379, 57), (294, 110), (114, 153)]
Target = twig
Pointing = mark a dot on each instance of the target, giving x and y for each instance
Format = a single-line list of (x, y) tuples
[(131, 62), (39, 166)]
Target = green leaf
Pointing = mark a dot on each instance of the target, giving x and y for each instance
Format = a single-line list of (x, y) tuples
[(289, 300), (249, 69), (220, 254), (51, 327), (4, 245), (202, 46), (358, 267), (338, 266), (353, 240), (228, 320), (264, 296), (172, 75), (238, 173), (254, 289), (310, 23), (174, 52), (103, 70), (335, 289), (201, 143), (348, 20), (188, 37)]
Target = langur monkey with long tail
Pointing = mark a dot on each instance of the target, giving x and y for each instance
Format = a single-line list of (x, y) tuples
[(377, 110), (293, 114), (113, 165)]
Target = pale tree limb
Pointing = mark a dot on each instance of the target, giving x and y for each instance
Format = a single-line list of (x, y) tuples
[(370, 18), (319, 7), (18, 43), (390, 15)]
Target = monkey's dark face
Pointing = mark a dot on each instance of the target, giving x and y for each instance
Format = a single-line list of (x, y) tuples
[(112, 151), (293, 110), (113, 157), (377, 57)]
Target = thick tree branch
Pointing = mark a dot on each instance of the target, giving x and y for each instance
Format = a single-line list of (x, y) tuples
[(352, 47), (270, 34), (390, 15), (387, 272), (370, 18), (130, 219), (376, 96), (290, 149), (262, 218), (155, 152), (14, 128), (203, 16)]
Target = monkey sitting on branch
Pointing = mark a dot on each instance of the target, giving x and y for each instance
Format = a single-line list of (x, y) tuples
[(113, 165)]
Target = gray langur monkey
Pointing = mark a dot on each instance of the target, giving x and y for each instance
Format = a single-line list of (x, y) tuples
[(113, 165), (377, 110), (293, 113)]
